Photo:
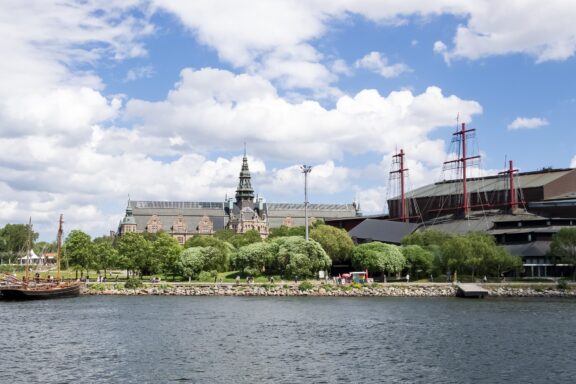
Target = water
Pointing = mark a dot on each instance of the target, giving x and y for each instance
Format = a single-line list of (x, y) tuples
[(287, 340)]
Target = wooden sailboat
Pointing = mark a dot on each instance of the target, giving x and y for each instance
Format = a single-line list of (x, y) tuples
[(37, 289)]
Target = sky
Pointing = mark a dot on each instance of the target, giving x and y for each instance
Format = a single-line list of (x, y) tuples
[(101, 100)]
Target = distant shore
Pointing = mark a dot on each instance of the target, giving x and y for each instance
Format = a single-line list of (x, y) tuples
[(375, 290)]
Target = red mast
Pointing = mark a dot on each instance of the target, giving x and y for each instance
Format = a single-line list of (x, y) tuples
[(512, 203), (400, 171), (464, 161)]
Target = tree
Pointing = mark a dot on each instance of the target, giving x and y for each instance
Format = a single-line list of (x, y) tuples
[(335, 241), (241, 239), (165, 252), (477, 251), (502, 261), (563, 245), (191, 262), (457, 251), (224, 234), (105, 255), (284, 231), (78, 250), (221, 259), (378, 257), (256, 258), (299, 257), (133, 252), (426, 238), (418, 259), (45, 247), (15, 237)]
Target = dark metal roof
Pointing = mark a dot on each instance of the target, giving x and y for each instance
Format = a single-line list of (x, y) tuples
[(176, 205), (487, 184), (536, 248), (311, 207), (385, 231)]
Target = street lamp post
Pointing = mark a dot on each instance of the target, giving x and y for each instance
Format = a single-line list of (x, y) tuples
[(306, 170)]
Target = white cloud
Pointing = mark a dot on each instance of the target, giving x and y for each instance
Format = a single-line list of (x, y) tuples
[(527, 123), (326, 178), (375, 62), (48, 40), (137, 73), (340, 67), (544, 30), (214, 107), (372, 200), (440, 47)]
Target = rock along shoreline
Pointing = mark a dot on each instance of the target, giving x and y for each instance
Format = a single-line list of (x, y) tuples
[(380, 290)]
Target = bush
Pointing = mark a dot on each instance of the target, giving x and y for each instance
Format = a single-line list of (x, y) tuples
[(562, 284), (356, 285), (305, 286), (345, 288), (133, 283), (205, 276), (98, 287), (327, 287)]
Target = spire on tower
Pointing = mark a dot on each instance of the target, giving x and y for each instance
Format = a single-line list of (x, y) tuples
[(244, 192)]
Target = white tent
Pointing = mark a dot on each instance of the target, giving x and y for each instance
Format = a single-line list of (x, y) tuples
[(32, 258)]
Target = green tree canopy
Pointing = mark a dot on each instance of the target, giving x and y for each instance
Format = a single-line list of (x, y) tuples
[(221, 260), (427, 238), (563, 246), (457, 251), (15, 237), (78, 250), (418, 259), (105, 255), (378, 257), (165, 252), (241, 239), (45, 247), (335, 241), (134, 252), (256, 258), (284, 231), (192, 261), (299, 257), (224, 234), (477, 252)]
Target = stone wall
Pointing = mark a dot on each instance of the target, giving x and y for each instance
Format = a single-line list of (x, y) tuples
[(381, 290)]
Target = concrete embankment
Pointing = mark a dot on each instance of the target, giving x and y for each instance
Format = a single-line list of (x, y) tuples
[(377, 290)]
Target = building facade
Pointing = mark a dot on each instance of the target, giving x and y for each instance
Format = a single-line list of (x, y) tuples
[(244, 212)]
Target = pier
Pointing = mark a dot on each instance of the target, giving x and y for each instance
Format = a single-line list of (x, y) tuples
[(471, 290)]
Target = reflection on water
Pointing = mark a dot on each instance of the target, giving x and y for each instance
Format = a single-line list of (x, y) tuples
[(287, 340)]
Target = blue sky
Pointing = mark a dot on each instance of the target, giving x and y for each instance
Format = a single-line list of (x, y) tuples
[(155, 99)]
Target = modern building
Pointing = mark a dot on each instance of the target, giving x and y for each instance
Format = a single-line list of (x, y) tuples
[(547, 192), (522, 214), (185, 219)]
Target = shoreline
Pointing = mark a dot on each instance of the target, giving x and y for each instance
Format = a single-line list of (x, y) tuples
[(327, 290)]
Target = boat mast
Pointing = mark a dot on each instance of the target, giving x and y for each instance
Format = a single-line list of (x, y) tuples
[(399, 159), (463, 161), (59, 249), (28, 250), (512, 201)]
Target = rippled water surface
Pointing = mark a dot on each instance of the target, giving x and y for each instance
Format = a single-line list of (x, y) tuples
[(287, 340)]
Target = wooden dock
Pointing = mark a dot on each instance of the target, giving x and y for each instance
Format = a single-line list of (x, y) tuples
[(471, 290)]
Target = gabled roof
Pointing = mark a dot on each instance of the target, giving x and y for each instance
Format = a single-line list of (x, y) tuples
[(385, 231)]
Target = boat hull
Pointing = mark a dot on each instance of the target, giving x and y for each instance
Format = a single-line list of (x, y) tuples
[(57, 292)]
